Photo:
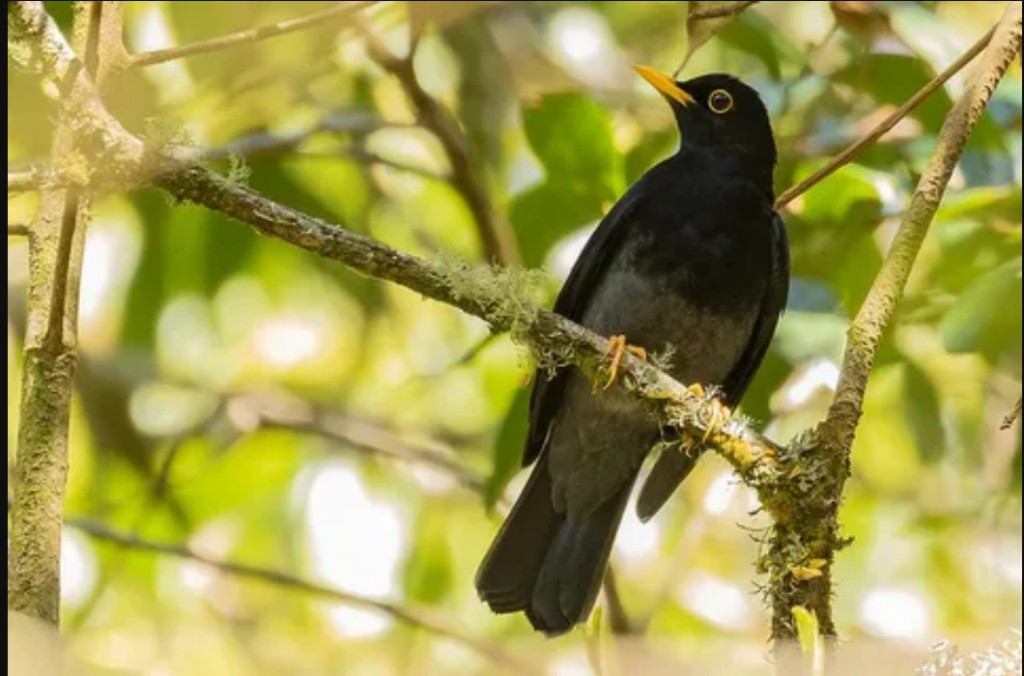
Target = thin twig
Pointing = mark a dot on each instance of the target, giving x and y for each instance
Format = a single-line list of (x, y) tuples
[(416, 617), (720, 12), (498, 240), (17, 229), (852, 151), (346, 122), (370, 158), (250, 36), (1011, 417), (358, 434)]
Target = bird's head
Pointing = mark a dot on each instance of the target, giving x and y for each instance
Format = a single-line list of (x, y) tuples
[(720, 114)]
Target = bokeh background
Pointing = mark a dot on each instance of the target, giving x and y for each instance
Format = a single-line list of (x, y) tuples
[(261, 405)]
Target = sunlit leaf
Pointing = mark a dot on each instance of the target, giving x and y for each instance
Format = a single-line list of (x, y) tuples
[(545, 214), (571, 135)]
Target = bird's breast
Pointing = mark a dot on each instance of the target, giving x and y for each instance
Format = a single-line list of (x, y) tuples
[(704, 342)]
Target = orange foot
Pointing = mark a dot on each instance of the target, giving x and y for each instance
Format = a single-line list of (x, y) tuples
[(617, 347)]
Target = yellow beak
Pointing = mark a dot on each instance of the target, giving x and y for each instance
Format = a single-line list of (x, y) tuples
[(664, 84)]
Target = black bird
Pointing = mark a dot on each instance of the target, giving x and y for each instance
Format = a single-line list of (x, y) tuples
[(693, 256)]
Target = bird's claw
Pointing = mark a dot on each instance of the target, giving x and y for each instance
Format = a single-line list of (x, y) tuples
[(617, 348), (719, 413)]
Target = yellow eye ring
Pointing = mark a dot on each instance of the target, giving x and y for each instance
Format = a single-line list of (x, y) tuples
[(720, 101)]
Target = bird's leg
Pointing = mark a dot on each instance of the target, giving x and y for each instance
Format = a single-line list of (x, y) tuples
[(617, 347)]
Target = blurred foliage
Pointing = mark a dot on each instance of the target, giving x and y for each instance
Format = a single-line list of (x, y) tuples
[(188, 319)]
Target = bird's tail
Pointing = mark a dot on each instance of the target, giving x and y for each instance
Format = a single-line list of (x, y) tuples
[(546, 564)]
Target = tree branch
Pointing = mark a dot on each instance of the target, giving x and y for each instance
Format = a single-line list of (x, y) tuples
[(800, 551), (416, 617), (865, 333), (345, 122), (852, 151), (498, 240), (55, 260), (324, 17), (495, 295), (17, 229), (360, 435), (800, 485)]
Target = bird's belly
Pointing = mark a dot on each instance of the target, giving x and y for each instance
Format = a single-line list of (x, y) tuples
[(704, 342), (601, 436)]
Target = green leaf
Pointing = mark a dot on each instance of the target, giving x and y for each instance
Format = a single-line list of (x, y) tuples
[(810, 639), (831, 232), (854, 273), (893, 78), (803, 336), (987, 316), (884, 454), (986, 202), (846, 199), (545, 214), (571, 135), (923, 414), (508, 448), (754, 34)]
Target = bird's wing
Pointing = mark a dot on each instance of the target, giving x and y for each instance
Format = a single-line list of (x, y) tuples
[(736, 383), (571, 303), (673, 466)]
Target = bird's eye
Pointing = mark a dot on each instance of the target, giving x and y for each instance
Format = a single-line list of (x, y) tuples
[(720, 101)]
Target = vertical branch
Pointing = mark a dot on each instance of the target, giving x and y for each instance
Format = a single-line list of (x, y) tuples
[(55, 265), (498, 240), (802, 548), (875, 314)]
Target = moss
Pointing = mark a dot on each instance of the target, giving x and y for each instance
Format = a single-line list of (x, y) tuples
[(238, 171), (511, 297)]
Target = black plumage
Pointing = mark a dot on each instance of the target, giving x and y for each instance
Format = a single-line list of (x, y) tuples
[(693, 256)]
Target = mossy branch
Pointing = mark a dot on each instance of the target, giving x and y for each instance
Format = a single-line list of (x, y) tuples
[(800, 551), (496, 295), (55, 262), (499, 296), (800, 485)]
